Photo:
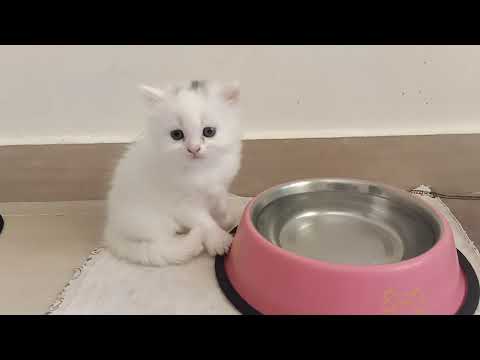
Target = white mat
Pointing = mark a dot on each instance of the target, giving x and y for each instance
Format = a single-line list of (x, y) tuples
[(104, 285)]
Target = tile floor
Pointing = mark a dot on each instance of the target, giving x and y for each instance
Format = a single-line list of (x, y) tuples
[(42, 243)]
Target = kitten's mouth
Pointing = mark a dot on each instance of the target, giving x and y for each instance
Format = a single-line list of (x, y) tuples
[(195, 156)]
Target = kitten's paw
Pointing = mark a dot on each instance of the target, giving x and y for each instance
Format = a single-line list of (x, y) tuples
[(197, 249), (218, 243)]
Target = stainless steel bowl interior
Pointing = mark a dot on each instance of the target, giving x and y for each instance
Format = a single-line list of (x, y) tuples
[(346, 221)]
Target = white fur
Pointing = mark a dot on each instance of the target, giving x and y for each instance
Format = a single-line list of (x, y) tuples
[(165, 206)]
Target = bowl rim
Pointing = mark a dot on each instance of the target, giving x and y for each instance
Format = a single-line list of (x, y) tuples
[(444, 234)]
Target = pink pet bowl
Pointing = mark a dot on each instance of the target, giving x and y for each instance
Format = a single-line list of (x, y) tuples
[(342, 246)]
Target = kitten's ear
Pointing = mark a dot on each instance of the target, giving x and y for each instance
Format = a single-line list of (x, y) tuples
[(231, 93), (152, 95)]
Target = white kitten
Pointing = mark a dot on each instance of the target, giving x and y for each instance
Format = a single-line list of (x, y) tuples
[(168, 197)]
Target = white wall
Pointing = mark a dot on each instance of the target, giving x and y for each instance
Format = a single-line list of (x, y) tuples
[(88, 93)]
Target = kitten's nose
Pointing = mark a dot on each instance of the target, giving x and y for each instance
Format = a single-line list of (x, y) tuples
[(193, 149)]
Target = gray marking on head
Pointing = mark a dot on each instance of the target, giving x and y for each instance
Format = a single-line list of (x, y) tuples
[(197, 84)]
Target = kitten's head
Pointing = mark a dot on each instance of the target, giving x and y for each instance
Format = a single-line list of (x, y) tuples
[(195, 122)]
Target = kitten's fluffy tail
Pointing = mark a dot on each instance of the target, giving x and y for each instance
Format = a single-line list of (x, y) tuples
[(178, 250)]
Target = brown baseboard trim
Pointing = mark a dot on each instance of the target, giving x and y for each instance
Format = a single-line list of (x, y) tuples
[(59, 172), (448, 163)]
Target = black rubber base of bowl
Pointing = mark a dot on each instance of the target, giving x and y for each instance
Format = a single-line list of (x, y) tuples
[(473, 288), (468, 308)]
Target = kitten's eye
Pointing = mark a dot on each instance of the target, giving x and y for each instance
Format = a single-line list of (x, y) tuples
[(209, 131), (177, 135)]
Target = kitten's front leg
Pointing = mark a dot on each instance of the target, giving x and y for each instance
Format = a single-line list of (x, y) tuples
[(220, 211), (216, 240)]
